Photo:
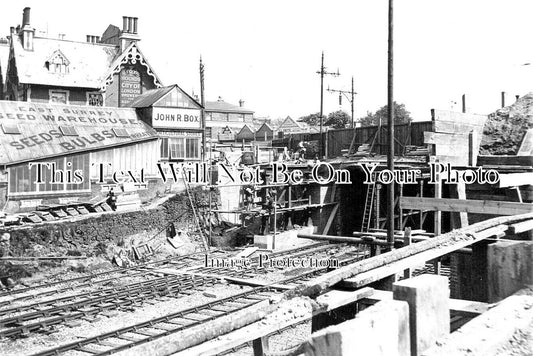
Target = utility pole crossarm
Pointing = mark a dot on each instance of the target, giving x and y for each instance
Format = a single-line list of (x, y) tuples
[(323, 72), (350, 96)]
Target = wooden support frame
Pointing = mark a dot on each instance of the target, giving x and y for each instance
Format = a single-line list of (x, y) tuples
[(469, 206)]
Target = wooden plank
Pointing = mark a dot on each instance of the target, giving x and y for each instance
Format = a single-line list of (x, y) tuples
[(515, 179), (461, 194), (404, 257), (521, 227), (440, 138), (331, 218), (526, 148), (463, 307), (325, 303), (505, 160), (469, 206)]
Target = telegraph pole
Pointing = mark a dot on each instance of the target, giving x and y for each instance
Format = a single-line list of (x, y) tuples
[(348, 95), (323, 72), (202, 111), (390, 120)]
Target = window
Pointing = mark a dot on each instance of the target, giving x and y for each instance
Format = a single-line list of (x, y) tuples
[(57, 63), (95, 99), (68, 130), (11, 129), (121, 132), (164, 148), (180, 148), (22, 178), (58, 96)]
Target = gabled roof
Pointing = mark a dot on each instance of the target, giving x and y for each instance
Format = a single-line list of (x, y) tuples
[(43, 130), (154, 96), (265, 125), (290, 122), (88, 66), (222, 106), (149, 97), (245, 129), (131, 54)]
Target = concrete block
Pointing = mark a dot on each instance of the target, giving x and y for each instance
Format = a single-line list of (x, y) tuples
[(429, 311), (510, 268), (284, 239), (381, 330)]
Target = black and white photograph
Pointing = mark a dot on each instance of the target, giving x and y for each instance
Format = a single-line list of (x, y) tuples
[(266, 178)]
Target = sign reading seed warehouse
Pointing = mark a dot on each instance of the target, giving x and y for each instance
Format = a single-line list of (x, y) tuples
[(32, 131), (176, 118)]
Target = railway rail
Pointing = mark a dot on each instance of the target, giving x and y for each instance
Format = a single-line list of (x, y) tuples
[(77, 282), (128, 337)]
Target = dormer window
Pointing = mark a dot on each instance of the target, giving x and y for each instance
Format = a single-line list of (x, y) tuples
[(57, 63)]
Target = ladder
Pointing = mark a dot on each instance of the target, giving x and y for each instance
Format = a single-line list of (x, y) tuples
[(369, 202), (193, 207)]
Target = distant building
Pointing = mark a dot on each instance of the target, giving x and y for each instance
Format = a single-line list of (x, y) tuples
[(103, 71), (226, 119), (291, 126)]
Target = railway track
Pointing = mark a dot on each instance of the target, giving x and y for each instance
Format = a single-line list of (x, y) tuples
[(15, 320), (128, 337), (91, 279), (81, 306)]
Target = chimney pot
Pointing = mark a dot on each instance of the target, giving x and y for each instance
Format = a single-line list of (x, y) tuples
[(26, 17), (130, 24), (134, 29), (125, 24), (89, 38), (241, 103)]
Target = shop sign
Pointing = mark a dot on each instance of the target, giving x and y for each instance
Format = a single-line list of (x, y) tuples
[(130, 86), (176, 118)]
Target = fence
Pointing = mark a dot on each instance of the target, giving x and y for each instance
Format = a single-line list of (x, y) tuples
[(338, 140)]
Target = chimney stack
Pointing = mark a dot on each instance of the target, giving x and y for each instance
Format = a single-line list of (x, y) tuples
[(26, 17), (27, 31), (93, 39), (129, 31)]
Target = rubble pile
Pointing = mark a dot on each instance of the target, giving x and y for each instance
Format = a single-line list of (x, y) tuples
[(505, 128)]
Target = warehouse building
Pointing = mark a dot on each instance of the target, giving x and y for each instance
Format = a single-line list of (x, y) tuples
[(83, 152)]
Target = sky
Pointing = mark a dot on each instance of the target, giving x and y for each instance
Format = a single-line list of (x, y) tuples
[(267, 53)]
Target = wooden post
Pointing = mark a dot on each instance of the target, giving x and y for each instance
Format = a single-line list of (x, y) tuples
[(380, 330), (472, 148), (437, 215), (421, 192), (407, 242), (479, 272), (260, 346), (510, 268), (429, 311)]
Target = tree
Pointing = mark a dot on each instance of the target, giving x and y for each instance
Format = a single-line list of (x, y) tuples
[(401, 116), (311, 119), (337, 120)]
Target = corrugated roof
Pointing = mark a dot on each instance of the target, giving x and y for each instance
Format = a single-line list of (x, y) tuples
[(222, 106), (88, 62), (42, 126), (4, 58), (149, 97)]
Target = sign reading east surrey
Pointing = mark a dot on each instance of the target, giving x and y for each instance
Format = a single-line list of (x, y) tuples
[(176, 118)]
